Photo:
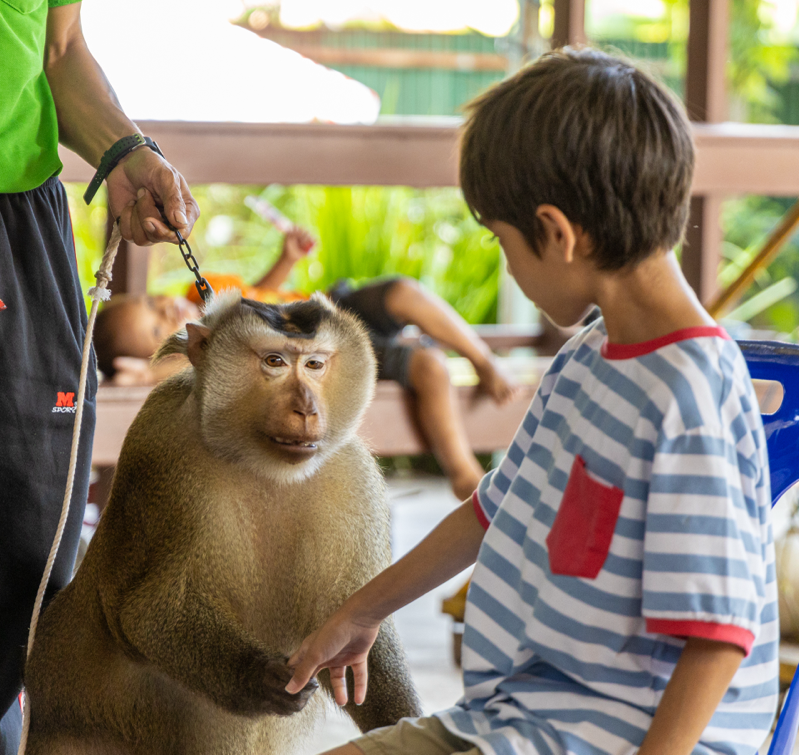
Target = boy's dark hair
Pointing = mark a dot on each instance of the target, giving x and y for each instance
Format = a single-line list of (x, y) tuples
[(592, 135)]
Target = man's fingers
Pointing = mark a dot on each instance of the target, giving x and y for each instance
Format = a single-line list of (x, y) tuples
[(338, 680), (150, 219), (360, 674), (171, 194)]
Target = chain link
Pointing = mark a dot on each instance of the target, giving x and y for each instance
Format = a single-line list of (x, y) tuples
[(203, 286)]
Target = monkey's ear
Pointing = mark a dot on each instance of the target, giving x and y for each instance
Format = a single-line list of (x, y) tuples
[(197, 340)]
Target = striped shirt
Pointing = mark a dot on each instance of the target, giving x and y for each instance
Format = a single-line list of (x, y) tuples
[(631, 511)]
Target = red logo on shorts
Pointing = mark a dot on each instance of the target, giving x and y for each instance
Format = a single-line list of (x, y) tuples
[(65, 403), (2, 306)]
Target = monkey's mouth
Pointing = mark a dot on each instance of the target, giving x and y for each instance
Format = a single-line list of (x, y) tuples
[(287, 442), (296, 449)]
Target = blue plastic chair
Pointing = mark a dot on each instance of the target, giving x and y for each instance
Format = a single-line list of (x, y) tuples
[(771, 360)]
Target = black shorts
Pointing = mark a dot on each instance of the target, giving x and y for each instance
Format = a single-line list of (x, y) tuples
[(42, 325), (369, 303)]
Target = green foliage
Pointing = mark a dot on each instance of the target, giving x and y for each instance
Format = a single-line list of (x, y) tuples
[(363, 233), (747, 221)]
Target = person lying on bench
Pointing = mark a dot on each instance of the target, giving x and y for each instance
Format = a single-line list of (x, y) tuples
[(130, 327), (624, 598)]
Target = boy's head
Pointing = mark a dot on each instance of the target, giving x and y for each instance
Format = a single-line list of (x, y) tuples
[(134, 325), (591, 135)]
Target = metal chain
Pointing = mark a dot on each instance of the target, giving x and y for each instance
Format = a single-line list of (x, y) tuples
[(203, 286)]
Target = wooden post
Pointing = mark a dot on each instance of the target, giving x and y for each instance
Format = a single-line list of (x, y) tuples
[(569, 23), (706, 102)]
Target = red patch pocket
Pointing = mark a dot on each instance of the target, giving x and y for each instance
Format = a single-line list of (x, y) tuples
[(579, 540)]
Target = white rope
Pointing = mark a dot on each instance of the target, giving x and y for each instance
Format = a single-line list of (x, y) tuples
[(98, 293)]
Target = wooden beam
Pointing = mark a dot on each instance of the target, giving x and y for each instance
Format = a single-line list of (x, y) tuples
[(705, 77), (706, 102), (327, 154), (732, 158), (703, 233), (569, 28)]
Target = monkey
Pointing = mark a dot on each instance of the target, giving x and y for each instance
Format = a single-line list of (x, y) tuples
[(244, 510)]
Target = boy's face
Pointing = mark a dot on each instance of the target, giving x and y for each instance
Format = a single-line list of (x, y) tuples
[(557, 286), (144, 321)]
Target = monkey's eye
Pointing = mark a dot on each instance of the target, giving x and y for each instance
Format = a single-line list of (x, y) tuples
[(315, 364), (274, 360)]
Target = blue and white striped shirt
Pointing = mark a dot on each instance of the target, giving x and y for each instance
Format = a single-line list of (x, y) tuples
[(631, 511)]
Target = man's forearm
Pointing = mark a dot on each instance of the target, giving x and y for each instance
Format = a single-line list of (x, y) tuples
[(450, 548), (699, 681), (90, 119)]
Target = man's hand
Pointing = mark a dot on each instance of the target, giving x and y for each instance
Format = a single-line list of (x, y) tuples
[(141, 183), (90, 120), (342, 641)]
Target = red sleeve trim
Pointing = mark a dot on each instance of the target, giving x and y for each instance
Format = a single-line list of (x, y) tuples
[(739, 636), (479, 513), (631, 350)]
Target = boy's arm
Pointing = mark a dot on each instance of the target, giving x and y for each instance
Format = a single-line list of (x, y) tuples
[(297, 243), (345, 639), (700, 679)]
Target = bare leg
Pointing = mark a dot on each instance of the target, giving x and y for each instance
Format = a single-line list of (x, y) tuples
[(439, 418), (409, 303)]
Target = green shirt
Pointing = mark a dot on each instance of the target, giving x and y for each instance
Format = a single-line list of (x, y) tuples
[(28, 125)]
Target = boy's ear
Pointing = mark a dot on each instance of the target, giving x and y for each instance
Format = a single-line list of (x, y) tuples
[(558, 229)]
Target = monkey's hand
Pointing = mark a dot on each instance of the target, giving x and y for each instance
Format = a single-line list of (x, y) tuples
[(278, 701)]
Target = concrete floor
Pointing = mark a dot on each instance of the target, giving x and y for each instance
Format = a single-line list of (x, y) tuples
[(417, 505)]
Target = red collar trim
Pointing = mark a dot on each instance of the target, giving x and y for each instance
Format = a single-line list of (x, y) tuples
[(632, 350)]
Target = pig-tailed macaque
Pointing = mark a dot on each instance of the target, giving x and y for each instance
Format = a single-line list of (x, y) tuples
[(244, 511)]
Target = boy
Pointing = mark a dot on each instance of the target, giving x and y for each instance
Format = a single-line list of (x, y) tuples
[(129, 329), (624, 593)]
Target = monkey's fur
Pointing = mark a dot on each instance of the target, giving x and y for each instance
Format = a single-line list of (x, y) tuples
[(226, 541)]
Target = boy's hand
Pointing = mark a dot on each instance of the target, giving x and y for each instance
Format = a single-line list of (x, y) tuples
[(297, 243), (342, 641)]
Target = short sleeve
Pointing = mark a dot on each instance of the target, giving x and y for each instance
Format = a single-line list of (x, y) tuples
[(707, 539), (59, 3)]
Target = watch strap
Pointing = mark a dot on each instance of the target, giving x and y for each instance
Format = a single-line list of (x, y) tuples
[(111, 158)]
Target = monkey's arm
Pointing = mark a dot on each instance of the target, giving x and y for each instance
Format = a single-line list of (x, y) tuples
[(345, 639), (197, 640)]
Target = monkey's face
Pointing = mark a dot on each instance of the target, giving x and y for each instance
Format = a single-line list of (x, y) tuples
[(279, 387), (288, 401)]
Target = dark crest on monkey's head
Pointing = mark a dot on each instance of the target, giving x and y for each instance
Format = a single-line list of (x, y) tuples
[(296, 320)]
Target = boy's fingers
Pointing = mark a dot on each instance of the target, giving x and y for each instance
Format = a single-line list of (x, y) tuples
[(338, 679), (360, 673)]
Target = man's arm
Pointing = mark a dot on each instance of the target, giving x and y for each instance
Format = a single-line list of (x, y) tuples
[(90, 120), (700, 679), (347, 636)]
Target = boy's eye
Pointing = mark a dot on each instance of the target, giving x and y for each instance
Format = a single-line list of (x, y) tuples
[(274, 360)]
